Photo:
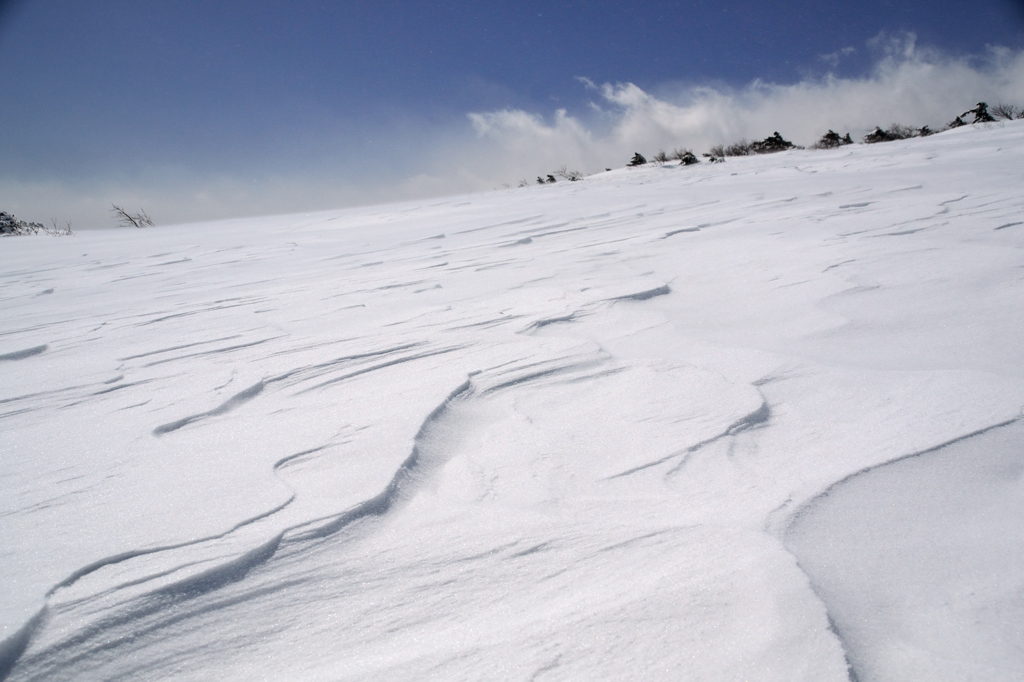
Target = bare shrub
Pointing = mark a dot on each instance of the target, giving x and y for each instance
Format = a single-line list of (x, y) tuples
[(57, 230), (661, 157), (718, 151), (1007, 111), (126, 219), (571, 176), (741, 148)]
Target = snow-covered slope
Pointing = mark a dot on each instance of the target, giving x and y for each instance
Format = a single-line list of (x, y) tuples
[(635, 427)]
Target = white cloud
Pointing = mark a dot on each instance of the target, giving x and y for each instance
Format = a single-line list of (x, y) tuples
[(833, 58)]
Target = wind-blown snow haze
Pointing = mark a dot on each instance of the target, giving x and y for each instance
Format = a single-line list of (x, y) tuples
[(908, 85)]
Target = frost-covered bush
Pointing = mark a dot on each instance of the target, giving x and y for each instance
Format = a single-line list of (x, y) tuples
[(956, 123), (685, 157), (981, 114), (637, 160), (681, 154), (10, 226), (771, 144), (896, 131), (878, 135), (901, 132), (831, 140)]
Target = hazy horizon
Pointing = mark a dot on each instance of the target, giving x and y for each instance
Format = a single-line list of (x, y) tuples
[(200, 113)]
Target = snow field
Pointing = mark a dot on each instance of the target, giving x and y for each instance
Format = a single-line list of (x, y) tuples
[(580, 431)]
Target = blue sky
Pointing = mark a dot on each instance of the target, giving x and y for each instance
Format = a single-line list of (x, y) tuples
[(214, 109)]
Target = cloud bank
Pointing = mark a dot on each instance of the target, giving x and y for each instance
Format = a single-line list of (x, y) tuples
[(907, 84)]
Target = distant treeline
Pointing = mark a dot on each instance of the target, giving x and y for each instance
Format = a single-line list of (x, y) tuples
[(981, 113)]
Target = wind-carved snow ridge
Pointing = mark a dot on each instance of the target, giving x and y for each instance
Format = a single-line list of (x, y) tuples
[(959, 439), (384, 365), (682, 230), (851, 670), (22, 354), (126, 556), (401, 486), (304, 374), (14, 646), (901, 504), (57, 659), (547, 370), (540, 324), (427, 454), (663, 290), (421, 461), (757, 418), (753, 420), (231, 403)]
